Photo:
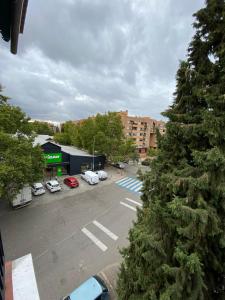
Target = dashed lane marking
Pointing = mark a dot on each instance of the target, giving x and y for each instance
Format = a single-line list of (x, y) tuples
[(128, 206), (135, 202), (105, 230), (94, 239)]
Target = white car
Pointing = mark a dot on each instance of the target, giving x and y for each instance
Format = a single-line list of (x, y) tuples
[(90, 177), (53, 186), (102, 175), (37, 189)]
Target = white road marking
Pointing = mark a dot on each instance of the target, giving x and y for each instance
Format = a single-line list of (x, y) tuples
[(135, 186), (129, 206), (138, 189), (133, 183), (106, 230), (94, 239), (135, 202), (122, 179), (127, 182)]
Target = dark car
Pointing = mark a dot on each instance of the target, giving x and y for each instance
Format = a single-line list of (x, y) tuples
[(71, 182), (119, 165)]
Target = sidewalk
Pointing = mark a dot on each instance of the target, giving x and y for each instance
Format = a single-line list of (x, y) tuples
[(109, 275)]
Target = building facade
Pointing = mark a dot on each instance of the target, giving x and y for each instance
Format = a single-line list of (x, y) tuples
[(142, 130), (66, 160)]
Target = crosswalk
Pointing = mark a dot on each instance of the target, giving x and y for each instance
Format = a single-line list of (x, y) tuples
[(100, 228), (132, 184)]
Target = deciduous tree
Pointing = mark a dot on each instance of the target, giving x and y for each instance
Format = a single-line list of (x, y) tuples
[(20, 162)]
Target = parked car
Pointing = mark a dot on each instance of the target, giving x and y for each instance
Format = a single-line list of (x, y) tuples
[(90, 177), (53, 186), (71, 182), (119, 165), (92, 289), (23, 198), (37, 189), (146, 162), (102, 175)]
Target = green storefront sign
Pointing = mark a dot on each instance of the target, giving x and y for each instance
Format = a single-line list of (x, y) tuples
[(51, 158)]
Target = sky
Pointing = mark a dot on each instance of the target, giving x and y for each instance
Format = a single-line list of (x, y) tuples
[(80, 57)]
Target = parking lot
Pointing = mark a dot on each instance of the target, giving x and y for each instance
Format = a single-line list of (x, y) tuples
[(73, 234)]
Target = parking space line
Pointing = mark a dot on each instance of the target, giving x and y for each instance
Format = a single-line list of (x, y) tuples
[(135, 202), (94, 239), (122, 179), (106, 230), (129, 206)]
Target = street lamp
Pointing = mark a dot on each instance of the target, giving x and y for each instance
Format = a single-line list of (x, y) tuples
[(93, 159)]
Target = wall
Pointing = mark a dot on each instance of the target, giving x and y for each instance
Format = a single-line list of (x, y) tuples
[(76, 163)]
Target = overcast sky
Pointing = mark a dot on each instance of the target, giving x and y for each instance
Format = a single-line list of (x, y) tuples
[(80, 57)]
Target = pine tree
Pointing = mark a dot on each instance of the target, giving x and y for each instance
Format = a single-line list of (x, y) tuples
[(177, 244)]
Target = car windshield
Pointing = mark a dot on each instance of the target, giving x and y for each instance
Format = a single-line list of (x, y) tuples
[(39, 188), (55, 185), (101, 282)]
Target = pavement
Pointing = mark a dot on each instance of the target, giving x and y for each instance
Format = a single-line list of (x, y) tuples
[(72, 234)]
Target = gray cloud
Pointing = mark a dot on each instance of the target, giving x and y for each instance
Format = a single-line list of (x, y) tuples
[(77, 58)]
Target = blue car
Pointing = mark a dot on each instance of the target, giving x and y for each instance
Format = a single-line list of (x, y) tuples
[(92, 289)]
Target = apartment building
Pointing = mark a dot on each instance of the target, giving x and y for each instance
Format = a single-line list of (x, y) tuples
[(142, 130)]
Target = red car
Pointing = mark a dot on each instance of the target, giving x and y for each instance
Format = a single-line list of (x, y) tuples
[(71, 182)]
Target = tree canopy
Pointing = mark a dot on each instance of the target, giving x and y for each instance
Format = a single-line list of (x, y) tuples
[(20, 162), (40, 127), (102, 134), (177, 244)]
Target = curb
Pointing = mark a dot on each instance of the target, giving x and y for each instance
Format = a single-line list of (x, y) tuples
[(8, 281)]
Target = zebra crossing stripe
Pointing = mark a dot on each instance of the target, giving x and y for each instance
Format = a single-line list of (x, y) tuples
[(136, 185), (138, 189), (128, 181), (106, 230), (129, 206), (131, 184), (122, 179), (135, 202)]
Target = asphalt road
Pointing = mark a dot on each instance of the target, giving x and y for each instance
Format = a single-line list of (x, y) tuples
[(72, 237)]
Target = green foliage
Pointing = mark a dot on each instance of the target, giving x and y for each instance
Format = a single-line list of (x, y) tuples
[(68, 135), (152, 152), (20, 162), (102, 134), (12, 119), (41, 128), (177, 244)]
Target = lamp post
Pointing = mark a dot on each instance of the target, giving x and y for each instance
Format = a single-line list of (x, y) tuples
[(93, 159)]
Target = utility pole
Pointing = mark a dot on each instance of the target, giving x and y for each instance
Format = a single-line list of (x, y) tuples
[(93, 159)]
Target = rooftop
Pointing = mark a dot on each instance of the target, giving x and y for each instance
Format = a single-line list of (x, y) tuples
[(43, 139)]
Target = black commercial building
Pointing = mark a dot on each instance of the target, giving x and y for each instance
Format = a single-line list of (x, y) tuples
[(63, 160)]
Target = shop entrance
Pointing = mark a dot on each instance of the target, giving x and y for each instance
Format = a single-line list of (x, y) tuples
[(56, 171)]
